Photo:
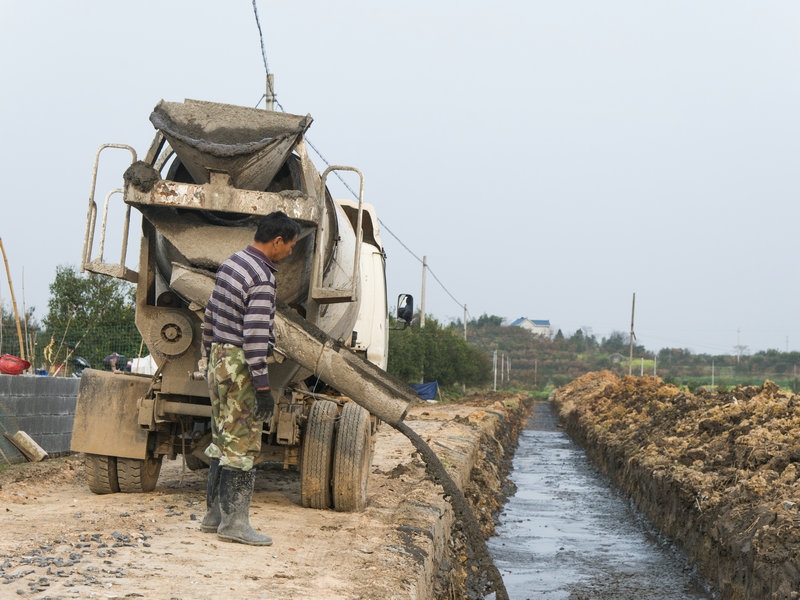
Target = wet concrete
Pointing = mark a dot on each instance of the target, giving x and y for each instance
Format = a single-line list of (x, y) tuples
[(567, 534)]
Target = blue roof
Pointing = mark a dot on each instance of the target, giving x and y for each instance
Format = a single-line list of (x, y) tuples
[(539, 322)]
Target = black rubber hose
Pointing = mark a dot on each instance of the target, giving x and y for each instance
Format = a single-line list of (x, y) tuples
[(477, 552)]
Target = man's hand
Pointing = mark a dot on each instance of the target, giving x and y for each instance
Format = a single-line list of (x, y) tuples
[(264, 405)]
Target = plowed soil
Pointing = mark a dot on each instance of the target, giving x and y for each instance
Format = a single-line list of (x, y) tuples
[(718, 472), (61, 541)]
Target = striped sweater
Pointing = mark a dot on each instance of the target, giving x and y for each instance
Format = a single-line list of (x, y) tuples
[(241, 310)]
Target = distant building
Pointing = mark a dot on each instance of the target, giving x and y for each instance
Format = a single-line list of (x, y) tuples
[(535, 326)]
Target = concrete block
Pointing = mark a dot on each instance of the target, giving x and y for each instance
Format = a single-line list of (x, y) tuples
[(67, 407), (43, 407), (29, 406), (5, 385), (9, 454)]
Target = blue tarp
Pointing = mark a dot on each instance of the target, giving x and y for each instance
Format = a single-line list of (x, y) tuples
[(426, 391)]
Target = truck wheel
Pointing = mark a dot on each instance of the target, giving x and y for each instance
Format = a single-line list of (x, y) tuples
[(317, 458), (352, 458), (137, 475), (101, 474)]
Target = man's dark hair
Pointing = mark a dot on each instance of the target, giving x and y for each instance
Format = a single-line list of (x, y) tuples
[(277, 224)]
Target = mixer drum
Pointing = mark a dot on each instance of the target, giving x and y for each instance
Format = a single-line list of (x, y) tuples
[(254, 148)]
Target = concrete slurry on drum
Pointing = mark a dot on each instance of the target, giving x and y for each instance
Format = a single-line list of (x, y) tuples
[(567, 534)]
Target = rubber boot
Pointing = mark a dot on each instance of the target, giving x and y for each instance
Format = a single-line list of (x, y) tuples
[(212, 517), (235, 494)]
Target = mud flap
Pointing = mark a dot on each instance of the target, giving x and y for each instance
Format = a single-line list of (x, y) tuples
[(107, 415)]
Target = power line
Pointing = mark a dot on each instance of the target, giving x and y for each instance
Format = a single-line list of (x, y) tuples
[(270, 86), (338, 175), (261, 37), (411, 252)]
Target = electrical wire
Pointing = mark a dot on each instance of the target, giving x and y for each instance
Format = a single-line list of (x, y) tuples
[(264, 56), (338, 175), (261, 37), (355, 195)]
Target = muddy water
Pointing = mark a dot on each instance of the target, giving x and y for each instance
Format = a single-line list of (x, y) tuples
[(567, 534)]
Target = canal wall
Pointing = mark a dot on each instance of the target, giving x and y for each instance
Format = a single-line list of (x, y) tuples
[(42, 407), (717, 472), (475, 440)]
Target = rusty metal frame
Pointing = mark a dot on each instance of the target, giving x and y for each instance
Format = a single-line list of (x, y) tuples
[(319, 292), (99, 265)]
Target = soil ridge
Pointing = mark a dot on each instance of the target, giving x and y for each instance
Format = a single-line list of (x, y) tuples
[(715, 471)]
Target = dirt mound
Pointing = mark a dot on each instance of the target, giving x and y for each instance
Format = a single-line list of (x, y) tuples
[(716, 471), (61, 470)]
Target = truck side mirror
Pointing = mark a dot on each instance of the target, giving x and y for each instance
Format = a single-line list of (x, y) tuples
[(405, 309)]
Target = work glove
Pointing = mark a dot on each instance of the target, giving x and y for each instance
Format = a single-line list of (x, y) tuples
[(264, 405)]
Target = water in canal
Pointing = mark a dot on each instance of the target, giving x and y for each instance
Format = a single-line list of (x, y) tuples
[(567, 534)]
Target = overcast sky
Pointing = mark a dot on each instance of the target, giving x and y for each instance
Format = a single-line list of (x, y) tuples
[(550, 159)]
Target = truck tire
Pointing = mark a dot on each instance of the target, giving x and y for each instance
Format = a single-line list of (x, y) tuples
[(317, 459), (138, 475), (352, 458), (101, 474)]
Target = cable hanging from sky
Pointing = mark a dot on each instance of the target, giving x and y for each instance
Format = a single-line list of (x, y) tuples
[(261, 37), (327, 164)]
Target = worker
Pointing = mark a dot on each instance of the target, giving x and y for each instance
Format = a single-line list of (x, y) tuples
[(237, 337), (114, 362)]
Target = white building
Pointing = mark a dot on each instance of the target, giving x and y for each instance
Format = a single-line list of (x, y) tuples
[(535, 326)]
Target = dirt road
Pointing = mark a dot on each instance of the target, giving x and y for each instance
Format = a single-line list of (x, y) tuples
[(61, 541)]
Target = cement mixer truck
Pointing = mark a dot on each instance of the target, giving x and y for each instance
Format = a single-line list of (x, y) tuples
[(211, 171)]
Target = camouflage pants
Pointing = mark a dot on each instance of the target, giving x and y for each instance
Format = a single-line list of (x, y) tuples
[(235, 434)]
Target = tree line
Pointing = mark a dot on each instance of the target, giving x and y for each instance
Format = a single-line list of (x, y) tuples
[(543, 363), (90, 316)]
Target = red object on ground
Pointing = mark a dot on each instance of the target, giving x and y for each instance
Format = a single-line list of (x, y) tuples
[(12, 365)]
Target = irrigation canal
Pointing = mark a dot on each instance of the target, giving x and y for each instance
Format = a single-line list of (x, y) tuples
[(567, 534)]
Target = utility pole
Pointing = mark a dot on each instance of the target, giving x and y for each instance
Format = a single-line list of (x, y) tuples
[(465, 322), (712, 374), (494, 368), (422, 293), (269, 97), (739, 347), (633, 336)]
